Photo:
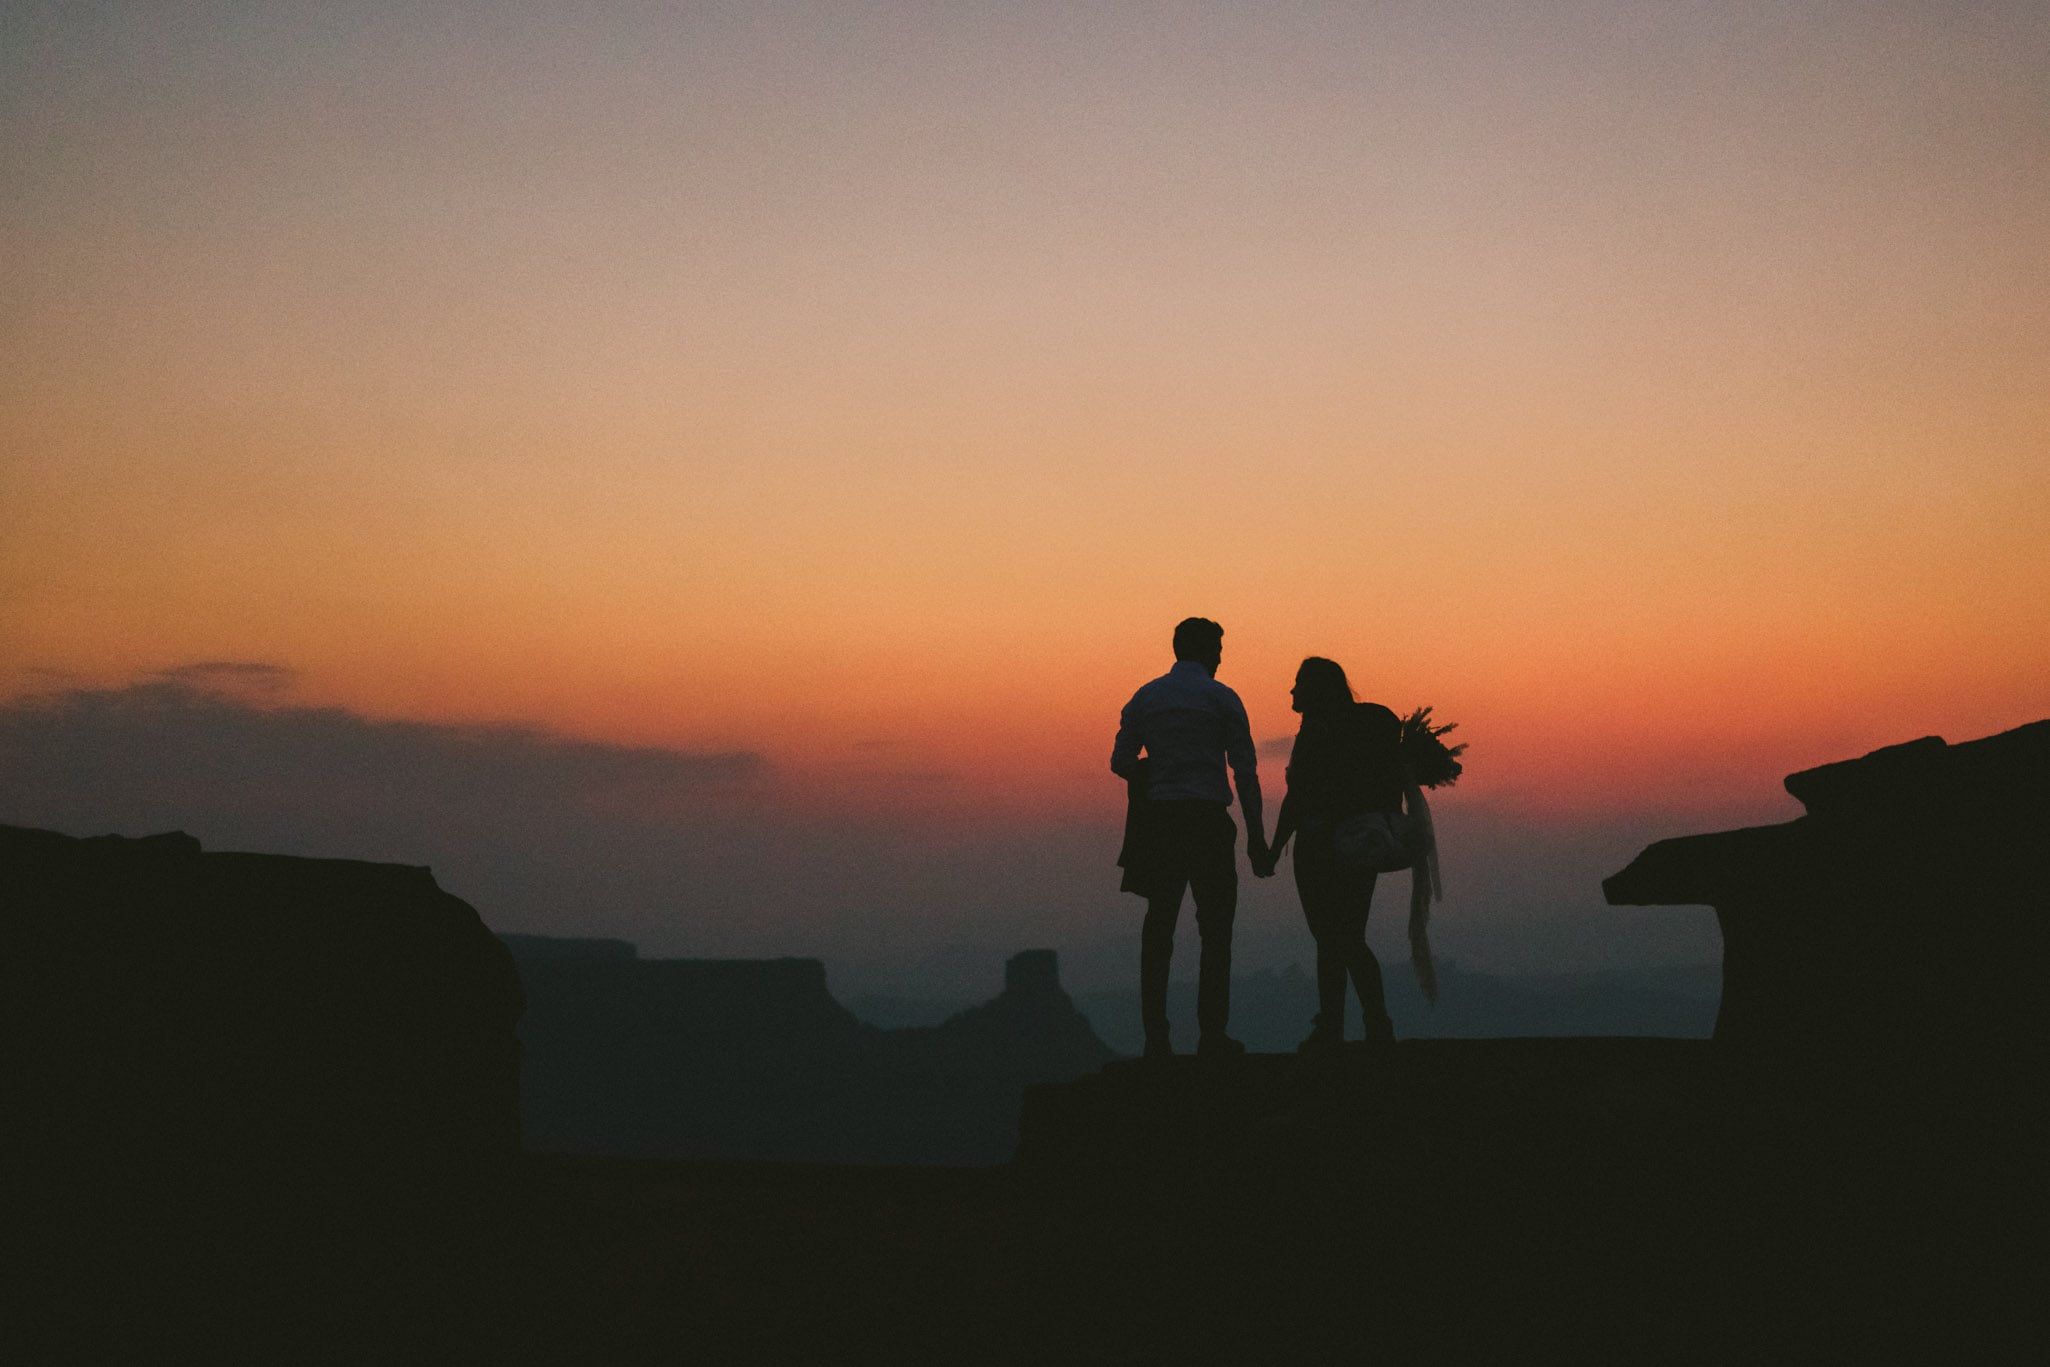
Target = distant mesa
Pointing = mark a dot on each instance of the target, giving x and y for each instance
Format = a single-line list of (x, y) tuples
[(1898, 925), (1033, 974), (525, 947), (754, 1058)]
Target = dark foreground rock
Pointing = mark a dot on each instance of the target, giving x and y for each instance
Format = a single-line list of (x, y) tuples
[(245, 1095), (1446, 1201), (1276, 1117), (1901, 925), (1885, 955), (159, 997)]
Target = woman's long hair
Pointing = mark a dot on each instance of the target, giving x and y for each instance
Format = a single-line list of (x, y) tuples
[(1323, 685)]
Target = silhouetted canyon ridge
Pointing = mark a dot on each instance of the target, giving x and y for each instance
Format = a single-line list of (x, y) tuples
[(275, 1103)]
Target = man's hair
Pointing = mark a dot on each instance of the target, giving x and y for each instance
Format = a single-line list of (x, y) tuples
[(1197, 637)]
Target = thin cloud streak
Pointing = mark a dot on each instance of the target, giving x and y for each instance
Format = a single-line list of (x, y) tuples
[(163, 726), (538, 830), (229, 673)]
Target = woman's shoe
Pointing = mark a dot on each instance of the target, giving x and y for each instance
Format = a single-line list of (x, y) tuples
[(1322, 1039)]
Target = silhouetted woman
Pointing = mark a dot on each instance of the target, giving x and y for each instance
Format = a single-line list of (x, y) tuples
[(1347, 759)]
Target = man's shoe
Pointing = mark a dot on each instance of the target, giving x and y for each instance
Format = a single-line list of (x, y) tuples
[(1219, 1046), (1158, 1051)]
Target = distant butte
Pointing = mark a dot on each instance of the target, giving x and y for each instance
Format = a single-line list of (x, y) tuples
[(754, 1058)]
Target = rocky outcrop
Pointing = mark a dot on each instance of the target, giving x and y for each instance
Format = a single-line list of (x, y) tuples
[(1535, 1103), (1898, 927), (1031, 1032), (163, 999), (258, 1108), (754, 1058), (952, 1092)]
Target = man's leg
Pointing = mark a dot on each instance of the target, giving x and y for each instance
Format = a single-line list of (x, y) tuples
[(1216, 887), (1213, 978), (1156, 951)]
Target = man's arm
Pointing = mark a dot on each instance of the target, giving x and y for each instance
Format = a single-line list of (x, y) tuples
[(1124, 752), (1256, 838), (1245, 773)]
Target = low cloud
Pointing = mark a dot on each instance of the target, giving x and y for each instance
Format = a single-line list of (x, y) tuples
[(214, 675), (533, 827), (888, 761), (99, 743)]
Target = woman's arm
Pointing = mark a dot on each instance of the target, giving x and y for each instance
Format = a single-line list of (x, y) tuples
[(1284, 826)]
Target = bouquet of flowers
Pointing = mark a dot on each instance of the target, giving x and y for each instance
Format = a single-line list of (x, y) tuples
[(1432, 762)]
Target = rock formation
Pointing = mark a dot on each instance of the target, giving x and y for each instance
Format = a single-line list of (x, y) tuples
[(1897, 927), (257, 1107), (162, 999)]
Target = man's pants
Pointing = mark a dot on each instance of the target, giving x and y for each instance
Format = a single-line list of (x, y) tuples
[(1197, 852)]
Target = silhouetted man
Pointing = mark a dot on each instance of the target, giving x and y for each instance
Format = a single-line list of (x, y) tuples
[(1178, 831)]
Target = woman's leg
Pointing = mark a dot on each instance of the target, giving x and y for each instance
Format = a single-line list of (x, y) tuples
[(1322, 897), (1358, 960)]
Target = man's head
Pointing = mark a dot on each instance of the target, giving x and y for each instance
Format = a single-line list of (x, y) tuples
[(1201, 640)]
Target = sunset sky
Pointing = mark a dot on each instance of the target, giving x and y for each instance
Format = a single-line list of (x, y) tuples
[(839, 403)]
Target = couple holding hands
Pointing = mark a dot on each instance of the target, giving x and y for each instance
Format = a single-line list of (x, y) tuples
[(1353, 767)]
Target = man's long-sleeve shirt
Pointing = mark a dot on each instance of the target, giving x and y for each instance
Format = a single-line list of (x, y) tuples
[(1190, 725)]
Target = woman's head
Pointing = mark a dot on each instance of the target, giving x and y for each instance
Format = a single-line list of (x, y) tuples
[(1319, 686)]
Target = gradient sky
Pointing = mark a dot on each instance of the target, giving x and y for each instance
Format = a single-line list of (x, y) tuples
[(1662, 392)]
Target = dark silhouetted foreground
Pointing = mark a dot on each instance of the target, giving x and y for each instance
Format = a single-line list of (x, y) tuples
[(261, 1109), (160, 997), (250, 1099)]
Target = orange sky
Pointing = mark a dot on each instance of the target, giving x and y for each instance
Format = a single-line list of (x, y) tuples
[(1666, 398)]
